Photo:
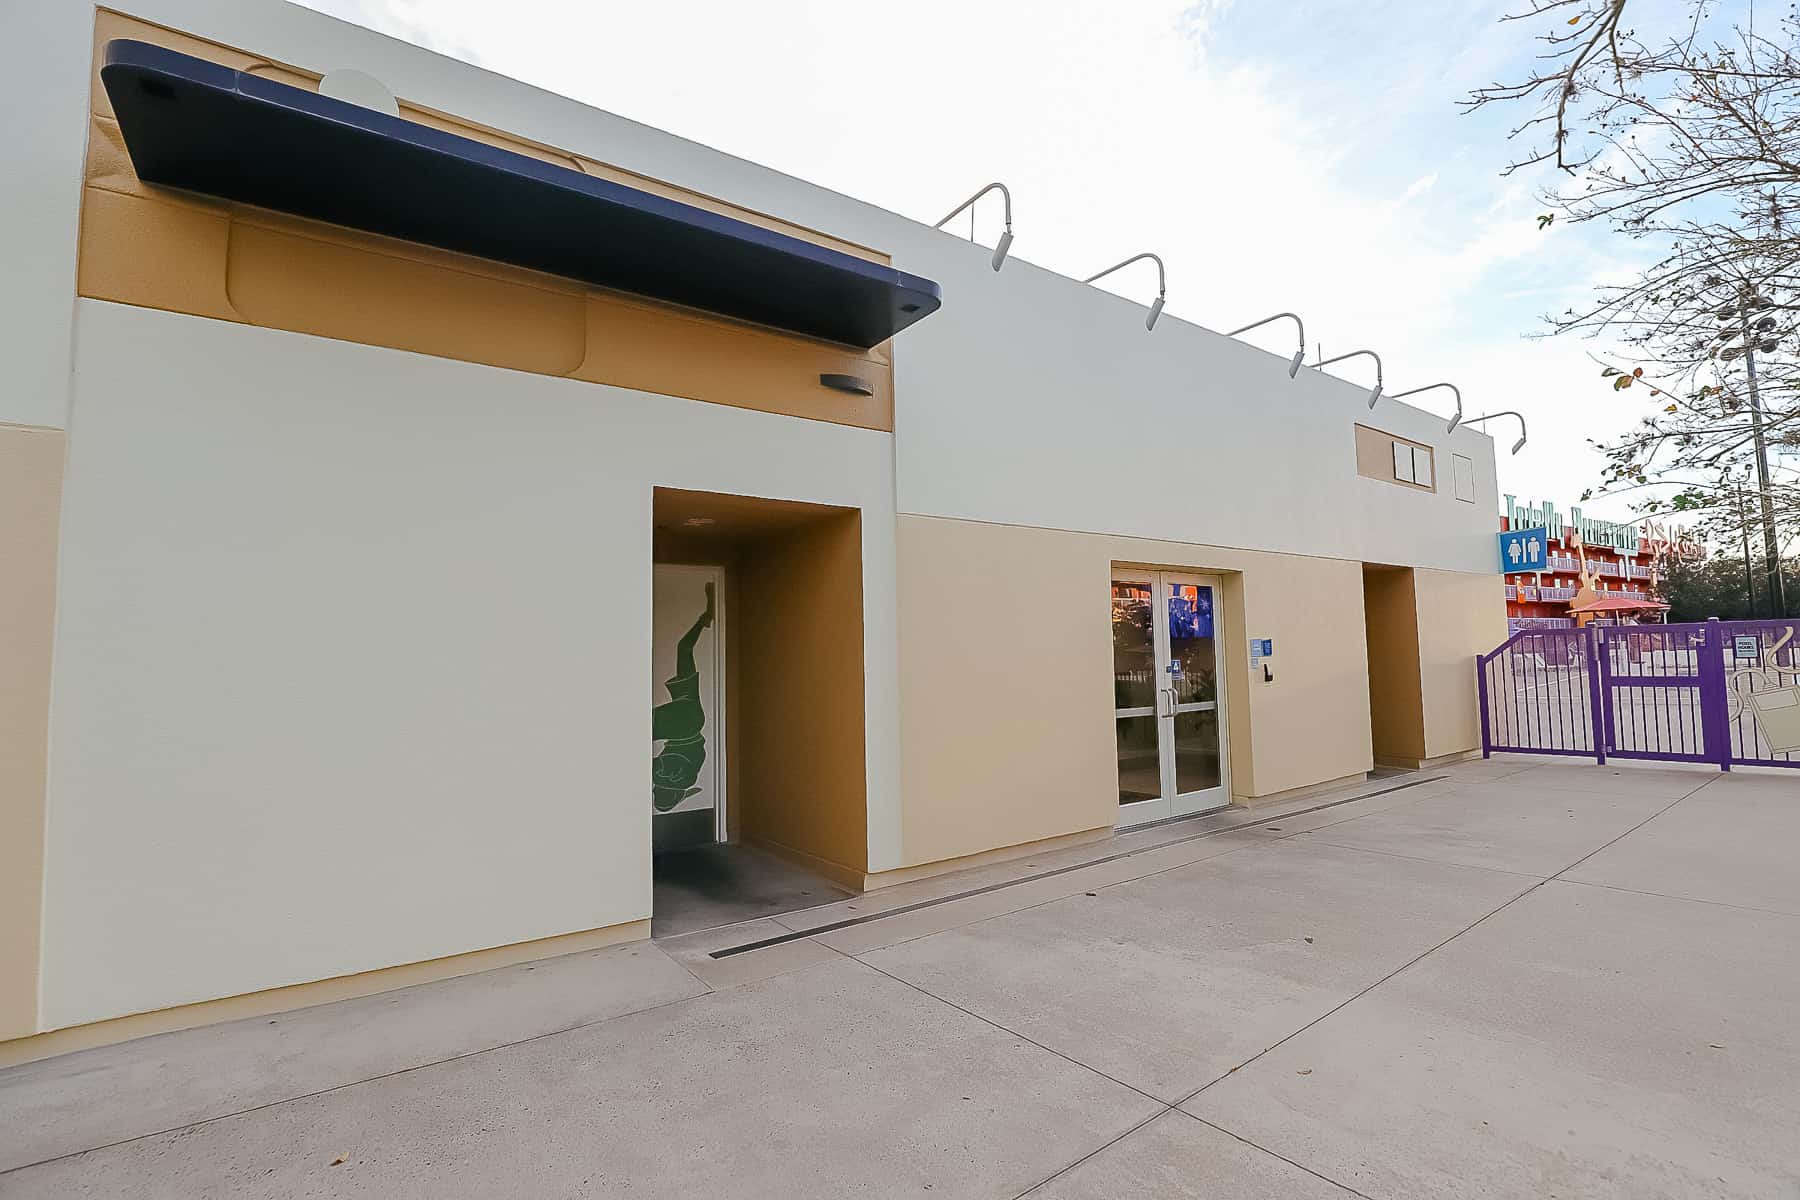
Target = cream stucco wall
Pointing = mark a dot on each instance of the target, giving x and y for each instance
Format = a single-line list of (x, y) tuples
[(353, 647), (1006, 677), (42, 138)]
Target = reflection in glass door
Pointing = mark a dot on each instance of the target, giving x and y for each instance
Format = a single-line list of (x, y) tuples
[(1167, 699), (1137, 698)]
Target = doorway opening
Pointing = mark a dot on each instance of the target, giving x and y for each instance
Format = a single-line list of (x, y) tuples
[(758, 797), (1168, 695), (1396, 685)]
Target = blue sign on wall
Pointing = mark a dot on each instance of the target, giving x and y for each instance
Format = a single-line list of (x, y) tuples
[(1524, 550)]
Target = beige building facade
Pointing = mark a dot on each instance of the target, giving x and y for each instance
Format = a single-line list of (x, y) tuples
[(383, 589)]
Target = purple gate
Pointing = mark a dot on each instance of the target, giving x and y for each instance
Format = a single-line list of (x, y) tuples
[(1723, 692)]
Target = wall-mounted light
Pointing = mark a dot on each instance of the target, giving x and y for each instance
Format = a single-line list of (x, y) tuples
[(856, 385), (359, 88), (1374, 392), (1162, 284), (1505, 412), (1005, 243), (1454, 390), (1299, 355)]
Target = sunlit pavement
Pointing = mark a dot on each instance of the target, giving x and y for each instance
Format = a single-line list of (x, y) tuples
[(1526, 978)]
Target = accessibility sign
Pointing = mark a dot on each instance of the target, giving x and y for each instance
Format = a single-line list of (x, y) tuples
[(1523, 550)]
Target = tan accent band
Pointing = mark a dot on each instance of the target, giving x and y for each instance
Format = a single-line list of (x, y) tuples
[(159, 248), (31, 472), (305, 995), (1300, 793), (986, 858)]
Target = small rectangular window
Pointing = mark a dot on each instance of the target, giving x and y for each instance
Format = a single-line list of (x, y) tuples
[(1403, 463), (1421, 466), (1462, 477), (1392, 458)]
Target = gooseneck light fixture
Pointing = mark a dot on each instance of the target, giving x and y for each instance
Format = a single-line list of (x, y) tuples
[(1005, 242), (1162, 284), (1505, 412), (1455, 420), (1374, 392), (1299, 355)]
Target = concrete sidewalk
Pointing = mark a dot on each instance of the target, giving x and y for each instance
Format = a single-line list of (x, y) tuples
[(1525, 978)]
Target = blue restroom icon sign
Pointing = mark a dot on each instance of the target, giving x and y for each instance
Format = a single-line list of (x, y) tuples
[(1524, 550)]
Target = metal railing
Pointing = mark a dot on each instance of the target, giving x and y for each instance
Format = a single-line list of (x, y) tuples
[(1719, 692)]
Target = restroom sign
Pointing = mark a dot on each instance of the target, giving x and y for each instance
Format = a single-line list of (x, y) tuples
[(1523, 550)]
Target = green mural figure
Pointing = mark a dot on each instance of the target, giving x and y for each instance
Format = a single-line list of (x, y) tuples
[(680, 724)]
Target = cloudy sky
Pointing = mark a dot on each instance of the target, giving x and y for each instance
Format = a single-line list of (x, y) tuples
[(1306, 155)]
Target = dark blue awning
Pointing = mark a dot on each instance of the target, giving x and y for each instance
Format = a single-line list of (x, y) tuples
[(193, 124)]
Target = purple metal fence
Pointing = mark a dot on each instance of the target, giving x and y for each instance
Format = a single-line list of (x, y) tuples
[(1723, 692), (1657, 698), (1759, 705)]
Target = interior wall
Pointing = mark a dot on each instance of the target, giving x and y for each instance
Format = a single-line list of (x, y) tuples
[(800, 727), (1396, 698), (352, 648), (1460, 616), (1006, 728), (31, 473)]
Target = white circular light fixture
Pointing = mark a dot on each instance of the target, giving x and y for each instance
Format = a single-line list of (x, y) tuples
[(359, 88)]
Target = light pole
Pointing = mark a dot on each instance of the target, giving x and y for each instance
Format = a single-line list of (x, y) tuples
[(1744, 532), (1748, 302)]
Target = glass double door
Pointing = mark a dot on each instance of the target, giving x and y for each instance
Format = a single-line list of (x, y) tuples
[(1168, 700)]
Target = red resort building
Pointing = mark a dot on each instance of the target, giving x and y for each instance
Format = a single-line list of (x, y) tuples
[(1597, 570)]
